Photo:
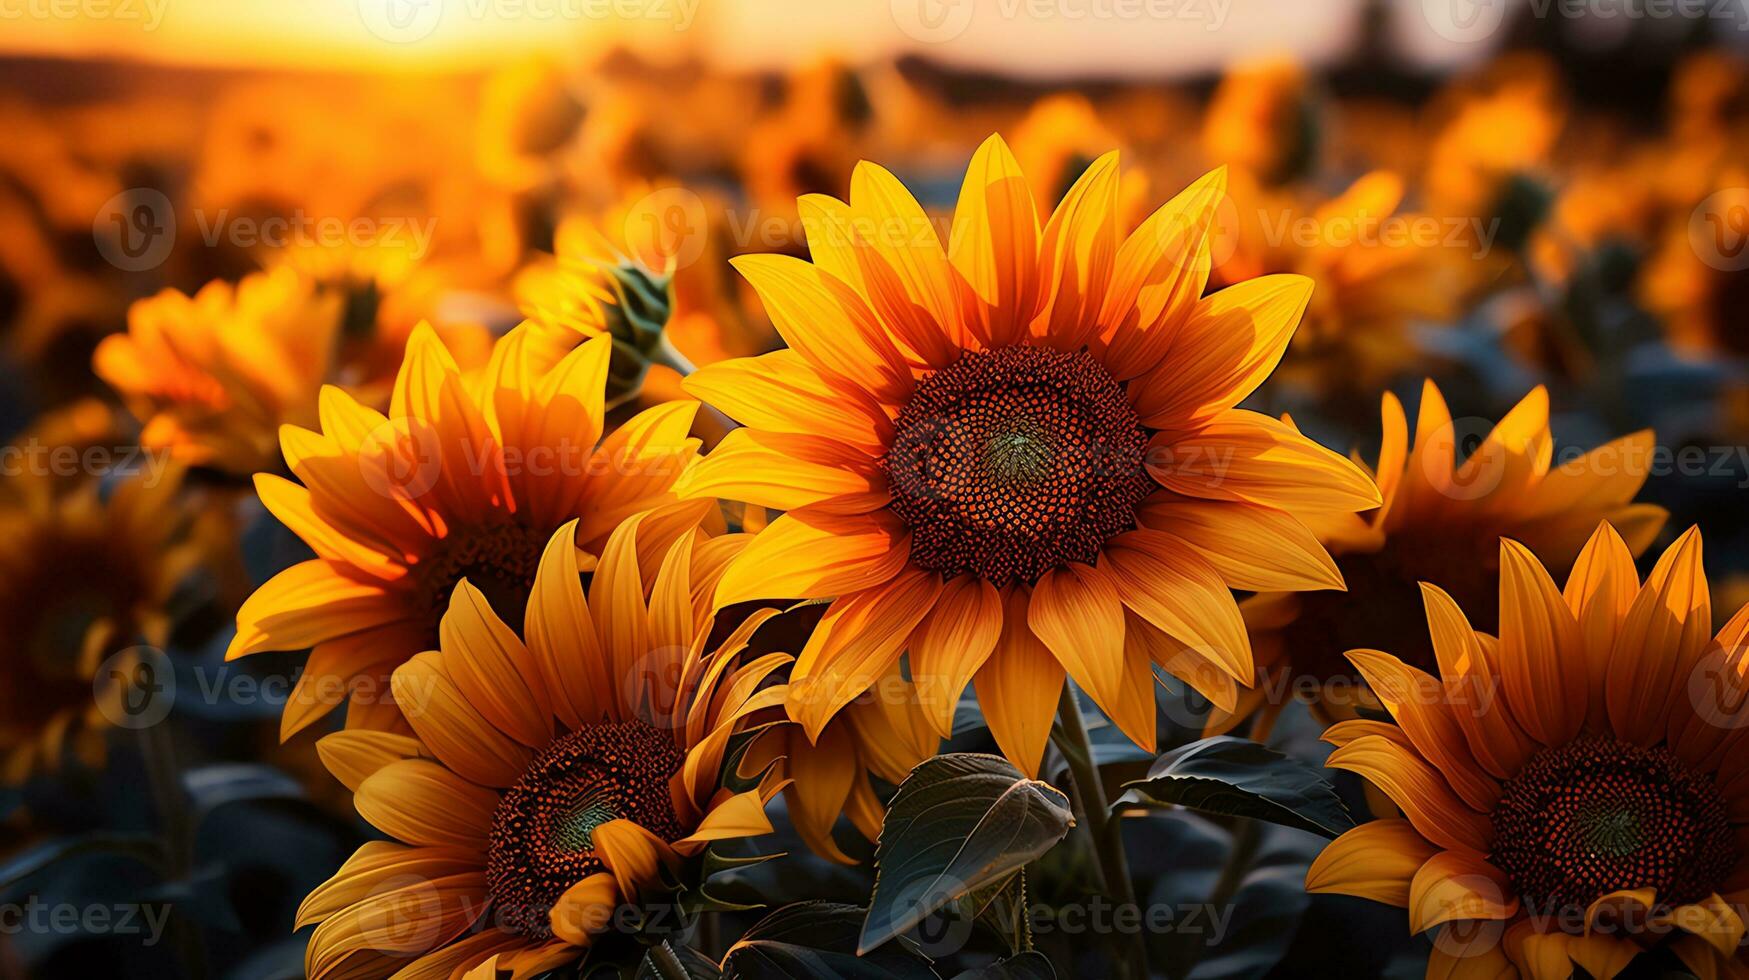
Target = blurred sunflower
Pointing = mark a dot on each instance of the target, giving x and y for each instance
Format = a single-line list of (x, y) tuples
[(1377, 272), (1697, 279), (213, 376), (1573, 791), (651, 274), (1265, 119), (1472, 173), (1439, 524), (552, 782), (462, 478), (970, 443), (84, 574)]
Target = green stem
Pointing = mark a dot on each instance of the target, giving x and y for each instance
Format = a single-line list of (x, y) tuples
[(164, 774), (1094, 813), (667, 354)]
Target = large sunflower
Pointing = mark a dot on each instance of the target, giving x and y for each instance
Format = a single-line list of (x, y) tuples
[(1018, 455), (1439, 522), (549, 785), (1574, 791), (214, 375), (462, 478)]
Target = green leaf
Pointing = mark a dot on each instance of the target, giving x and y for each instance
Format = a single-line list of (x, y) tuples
[(1238, 777), (1026, 966), (676, 961), (957, 823), (817, 941), (146, 850)]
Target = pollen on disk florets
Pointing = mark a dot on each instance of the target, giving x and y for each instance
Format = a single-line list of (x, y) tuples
[(499, 558), (1598, 815), (1014, 461), (542, 839)]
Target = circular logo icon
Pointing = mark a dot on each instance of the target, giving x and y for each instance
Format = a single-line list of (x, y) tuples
[(1483, 466), (401, 21), (401, 458), (1464, 21), (402, 915), (135, 229), (667, 229), (135, 688), (651, 685), (932, 21), (1464, 934), (1718, 230), (1718, 687), (943, 930)]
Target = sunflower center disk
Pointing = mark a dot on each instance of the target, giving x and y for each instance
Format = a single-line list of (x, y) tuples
[(499, 559), (1597, 815), (1015, 461), (542, 839)]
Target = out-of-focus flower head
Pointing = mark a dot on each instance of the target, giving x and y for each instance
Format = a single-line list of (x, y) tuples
[(1265, 119), (1473, 171), (1697, 279), (213, 376), (1055, 142), (86, 573), (1377, 271)]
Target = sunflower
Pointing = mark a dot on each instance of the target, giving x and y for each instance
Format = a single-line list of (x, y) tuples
[(1573, 791), (1439, 522), (1017, 456), (883, 734), (1264, 119), (462, 478), (84, 575), (1697, 278), (1376, 269), (551, 782), (214, 375)]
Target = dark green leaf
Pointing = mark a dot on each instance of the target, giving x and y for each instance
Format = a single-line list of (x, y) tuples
[(1026, 966), (958, 822), (1238, 777), (817, 941), (676, 961), (145, 850)]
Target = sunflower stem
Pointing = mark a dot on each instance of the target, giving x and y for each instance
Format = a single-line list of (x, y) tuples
[(164, 775), (1094, 813), (668, 355)]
